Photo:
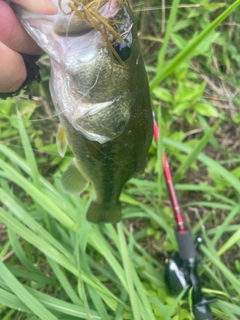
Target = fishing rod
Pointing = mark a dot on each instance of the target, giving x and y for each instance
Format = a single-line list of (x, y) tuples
[(181, 269)]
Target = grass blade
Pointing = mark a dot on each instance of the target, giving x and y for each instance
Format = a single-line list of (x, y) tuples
[(128, 273), (212, 255), (38, 196), (32, 303), (186, 52), (208, 162), (31, 160), (194, 153), (170, 24), (222, 228)]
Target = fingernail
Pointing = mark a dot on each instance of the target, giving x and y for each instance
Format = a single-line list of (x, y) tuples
[(50, 7), (41, 7)]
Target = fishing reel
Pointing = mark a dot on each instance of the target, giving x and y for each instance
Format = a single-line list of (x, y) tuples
[(181, 272), (181, 269)]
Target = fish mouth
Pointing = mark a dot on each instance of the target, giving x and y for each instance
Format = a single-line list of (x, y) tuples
[(77, 18)]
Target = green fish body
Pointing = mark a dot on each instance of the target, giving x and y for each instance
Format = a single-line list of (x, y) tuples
[(102, 99)]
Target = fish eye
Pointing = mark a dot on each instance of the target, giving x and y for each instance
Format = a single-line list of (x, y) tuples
[(123, 50)]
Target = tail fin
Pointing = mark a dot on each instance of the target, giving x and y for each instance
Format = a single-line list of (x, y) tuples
[(98, 213)]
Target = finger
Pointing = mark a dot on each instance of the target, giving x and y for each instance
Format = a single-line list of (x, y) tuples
[(12, 33), (13, 71), (41, 6)]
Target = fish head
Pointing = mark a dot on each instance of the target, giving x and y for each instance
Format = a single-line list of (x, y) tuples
[(94, 52)]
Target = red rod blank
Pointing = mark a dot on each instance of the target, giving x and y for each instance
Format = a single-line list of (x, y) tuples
[(170, 186)]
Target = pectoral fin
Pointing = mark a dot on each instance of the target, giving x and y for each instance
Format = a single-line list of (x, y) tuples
[(73, 181), (61, 141)]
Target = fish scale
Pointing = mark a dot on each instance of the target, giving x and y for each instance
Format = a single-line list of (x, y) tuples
[(102, 97)]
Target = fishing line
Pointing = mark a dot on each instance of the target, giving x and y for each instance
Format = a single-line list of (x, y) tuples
[(68, 26), (90, 18), (65, 78), (106, 156), (16, 146), (112, 68), (56, 154), (56, 114)]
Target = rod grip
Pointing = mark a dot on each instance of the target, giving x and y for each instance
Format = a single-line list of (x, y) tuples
[(186, 246)]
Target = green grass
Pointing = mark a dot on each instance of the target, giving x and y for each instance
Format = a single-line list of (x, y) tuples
[(56, 265)]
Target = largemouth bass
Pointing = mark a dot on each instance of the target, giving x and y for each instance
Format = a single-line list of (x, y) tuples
[(100, 90)]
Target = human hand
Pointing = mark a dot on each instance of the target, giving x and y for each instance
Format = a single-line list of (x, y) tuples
[(14, 39)]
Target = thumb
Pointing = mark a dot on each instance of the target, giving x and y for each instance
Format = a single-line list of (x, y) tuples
[(41, 6)]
